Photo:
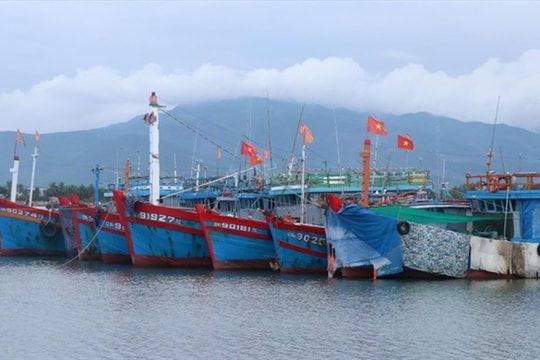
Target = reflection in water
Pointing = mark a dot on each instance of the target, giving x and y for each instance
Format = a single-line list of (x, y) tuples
[(87, 309)]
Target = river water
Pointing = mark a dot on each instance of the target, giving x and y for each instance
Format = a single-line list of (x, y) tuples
[(51, 309)]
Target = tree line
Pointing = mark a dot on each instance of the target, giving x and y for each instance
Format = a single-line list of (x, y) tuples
[(84, 192)]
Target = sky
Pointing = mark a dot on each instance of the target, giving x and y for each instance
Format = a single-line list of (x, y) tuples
[(76, 65)]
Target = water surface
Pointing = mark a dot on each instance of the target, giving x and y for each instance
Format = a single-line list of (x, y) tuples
[(54, 310)]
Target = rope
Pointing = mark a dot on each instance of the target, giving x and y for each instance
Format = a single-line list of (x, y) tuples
[(98, 230)]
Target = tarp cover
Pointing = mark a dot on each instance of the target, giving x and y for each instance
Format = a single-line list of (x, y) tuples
[(426, 216), (361, 237), (436, 251), (530, 226)]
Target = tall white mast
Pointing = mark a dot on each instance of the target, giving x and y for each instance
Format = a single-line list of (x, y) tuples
[(154, 149), (15, 169), (35, 154), (14, 177)]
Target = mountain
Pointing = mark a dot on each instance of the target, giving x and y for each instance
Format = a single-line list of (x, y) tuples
[(447, 147)]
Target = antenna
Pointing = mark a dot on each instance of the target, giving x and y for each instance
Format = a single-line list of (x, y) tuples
[(269, 134), (338, 152), (490, 153), (294, 143)]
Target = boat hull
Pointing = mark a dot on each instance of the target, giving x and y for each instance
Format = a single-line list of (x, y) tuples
[(112, 240), (300, 248), (237, 243), (493, 258), (103, 231), (29, 231), (160, 236), (80, 242)]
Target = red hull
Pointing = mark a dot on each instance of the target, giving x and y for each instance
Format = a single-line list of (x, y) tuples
[(359, 272), (308, 271), (115, 259), (156, 261), (367, 272), (84, 256), (25, 252), (242, 265), (484, 275)]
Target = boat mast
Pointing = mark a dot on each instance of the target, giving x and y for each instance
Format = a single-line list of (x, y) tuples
[(365, 154), (154, 150), (15, 169), (490, 153), (291, 162), (302, 188), (14, 177), (338, 154), (35, 154), (97, 171), (269, 134)]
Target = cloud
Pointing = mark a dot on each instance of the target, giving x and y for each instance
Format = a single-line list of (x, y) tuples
[(100, 95)]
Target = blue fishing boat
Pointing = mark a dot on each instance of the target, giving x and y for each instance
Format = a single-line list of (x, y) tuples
[(510, 245), (74, 246), (364, 243), (161, 236), (300, 247), (103, 228), (292, 198), (236, 243), (29, 230)]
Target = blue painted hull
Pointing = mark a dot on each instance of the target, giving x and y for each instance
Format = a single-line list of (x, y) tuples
[(112, 240), (160, 236), (88, 242), (105, 235), (300, 248), (29, 231), (237, 243)]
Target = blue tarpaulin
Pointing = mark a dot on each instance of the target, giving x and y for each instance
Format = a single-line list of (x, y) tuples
[(361, 237), (530, 216)]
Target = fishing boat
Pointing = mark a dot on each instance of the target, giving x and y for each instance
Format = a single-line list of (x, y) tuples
[(159, 235), (78, 246), (509, 246), (300, 247), (102, 227), (99, 227), (30, 230), (27, 229), (299, 200), (236, 243), (299, 233), (364, 243)]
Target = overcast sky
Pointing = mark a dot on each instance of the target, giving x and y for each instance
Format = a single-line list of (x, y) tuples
[(86, 64)]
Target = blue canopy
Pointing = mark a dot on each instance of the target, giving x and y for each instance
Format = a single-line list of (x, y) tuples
[(361, 237)]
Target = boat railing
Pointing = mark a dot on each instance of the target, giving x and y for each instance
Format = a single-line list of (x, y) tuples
[(354, 178), (495, 182)]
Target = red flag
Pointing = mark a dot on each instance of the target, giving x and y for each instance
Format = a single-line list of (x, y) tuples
[(248, 149), (218, 154), (376, 126), (334, 202), (304, 130), (36, 136), (19, 138), (266, 153), (255, 160), (405, 142)]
